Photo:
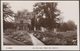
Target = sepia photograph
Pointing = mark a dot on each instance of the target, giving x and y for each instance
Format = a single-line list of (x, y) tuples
[(40, 23)]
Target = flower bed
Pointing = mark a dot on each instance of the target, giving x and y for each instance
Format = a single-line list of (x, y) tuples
[(51, 38), (19, 36)]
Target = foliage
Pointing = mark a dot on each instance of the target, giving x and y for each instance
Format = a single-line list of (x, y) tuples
[(7, 12), (47, 14), (71, 25), (60, 38), (68, 26)]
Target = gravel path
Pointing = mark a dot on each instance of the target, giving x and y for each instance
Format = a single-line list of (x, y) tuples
[(35, 41)]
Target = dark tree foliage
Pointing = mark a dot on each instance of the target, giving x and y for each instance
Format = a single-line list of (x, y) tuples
[(8, 25), (68, 26), (63, 27), (6, 13), (6, 10), (50, 11), (71, 25)]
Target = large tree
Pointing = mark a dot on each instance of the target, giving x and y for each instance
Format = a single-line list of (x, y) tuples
[(68, 26), (71, 25), (7, 10), (7, 16), (47, 13)]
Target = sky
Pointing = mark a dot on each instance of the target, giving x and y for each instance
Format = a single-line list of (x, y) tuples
[(69, 9)]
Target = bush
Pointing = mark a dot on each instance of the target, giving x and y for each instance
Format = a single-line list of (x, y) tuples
[(62, 38)]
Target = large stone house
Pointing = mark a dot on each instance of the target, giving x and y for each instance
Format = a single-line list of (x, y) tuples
[(23, 22)]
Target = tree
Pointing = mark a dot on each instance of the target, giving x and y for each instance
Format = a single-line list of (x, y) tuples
[(47, 14), (7, 13), (23, 14), (63, 27), (67, 26), (71, 25)]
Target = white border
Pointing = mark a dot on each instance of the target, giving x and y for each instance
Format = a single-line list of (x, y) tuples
[(73, 47)]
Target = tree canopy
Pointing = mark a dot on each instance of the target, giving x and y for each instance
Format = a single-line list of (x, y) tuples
[(7, 16), (47, 14), (7, 10)]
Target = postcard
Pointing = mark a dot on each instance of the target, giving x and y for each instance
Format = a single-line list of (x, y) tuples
[(40, 25)]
